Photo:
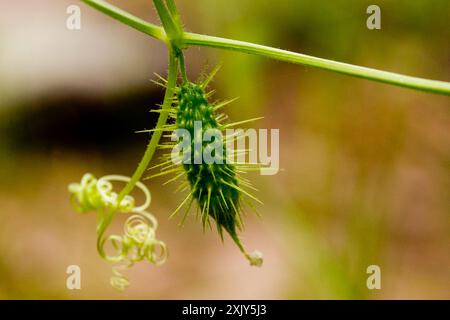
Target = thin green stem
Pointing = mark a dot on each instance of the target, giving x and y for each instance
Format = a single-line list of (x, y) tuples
[(169, 24), (174, 32), (434, 86), (183, 67), (168, 98), (105, 217), (152, 30), (174, 12)]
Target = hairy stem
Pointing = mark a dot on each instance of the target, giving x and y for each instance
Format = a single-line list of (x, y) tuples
[(174, 12), (183, 68), (439, 87), (170, 26)]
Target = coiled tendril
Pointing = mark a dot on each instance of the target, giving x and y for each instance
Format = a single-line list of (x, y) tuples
[(138, 242)]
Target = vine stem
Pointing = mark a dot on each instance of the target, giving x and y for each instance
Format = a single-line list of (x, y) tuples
[(128, 19), (433, 86), (170, 26), (168, 99), (106, 216), (187, 38)]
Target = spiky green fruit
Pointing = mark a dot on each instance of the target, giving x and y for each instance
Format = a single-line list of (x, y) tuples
[(216, 187)]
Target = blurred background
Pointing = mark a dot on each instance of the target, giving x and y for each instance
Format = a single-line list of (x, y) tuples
[(366, 165)]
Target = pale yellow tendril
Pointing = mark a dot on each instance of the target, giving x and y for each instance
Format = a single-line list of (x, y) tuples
[(138, 242)]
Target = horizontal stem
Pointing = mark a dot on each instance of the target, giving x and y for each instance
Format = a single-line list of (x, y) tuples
[(128, 19), (434, 86)]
